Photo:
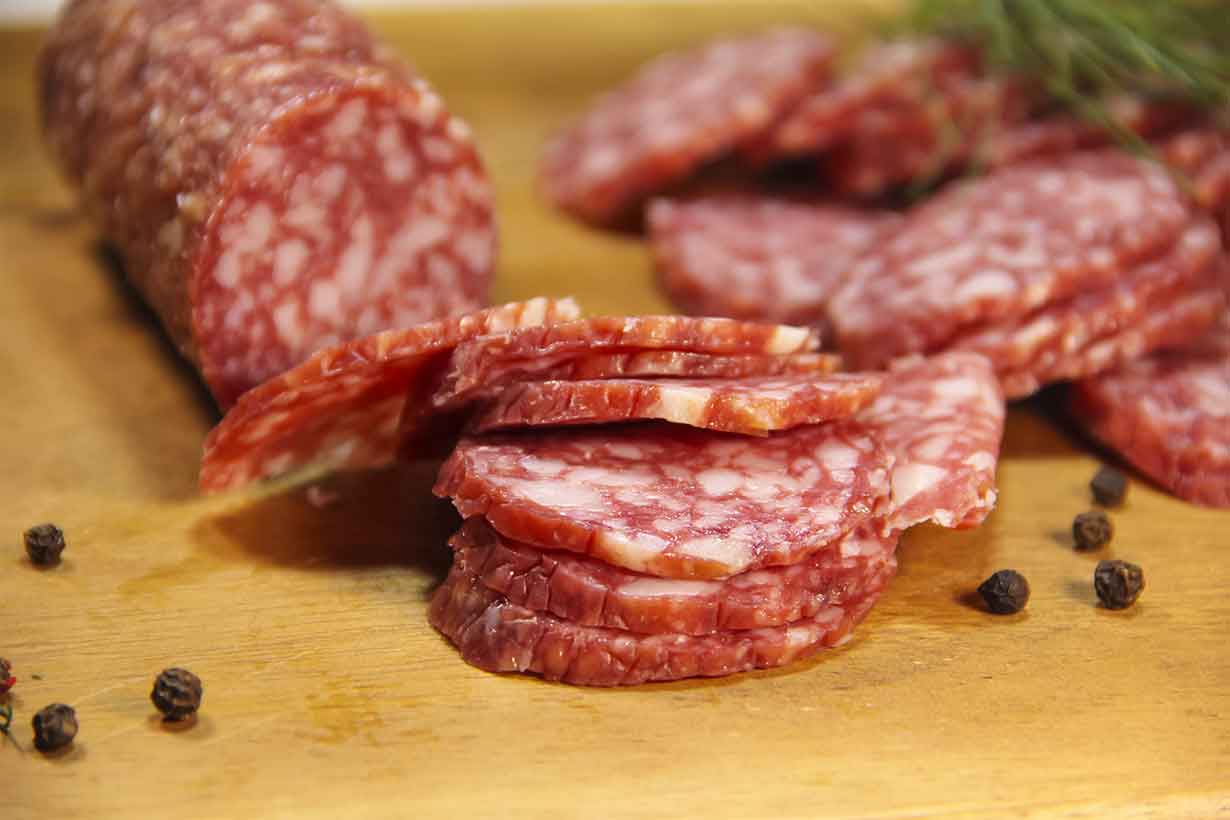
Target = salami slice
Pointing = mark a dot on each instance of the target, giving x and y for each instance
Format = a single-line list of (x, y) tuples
[(748, 406), (645, 364), (274, 183), (341, 408), (591, 593), (941, 419), (758, 257), (497, 636), (1002, 246), (679, 112), (1169, 415), (672, 501)]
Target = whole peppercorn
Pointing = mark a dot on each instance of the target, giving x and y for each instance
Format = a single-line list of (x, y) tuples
[(55, 726), (1005, 592), (1118, 583), (6, 676), (1109, 486), (1092, 530), (177, 693), (44, 544)]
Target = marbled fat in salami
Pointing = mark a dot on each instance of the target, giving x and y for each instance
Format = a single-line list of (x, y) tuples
[(273, 180), (644, 364), (588, 592)]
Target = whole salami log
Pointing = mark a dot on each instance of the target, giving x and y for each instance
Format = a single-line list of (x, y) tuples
[(274, 182)]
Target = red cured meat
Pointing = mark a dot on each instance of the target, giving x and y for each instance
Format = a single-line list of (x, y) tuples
[(750, 406), (1169, 414), (591, 593), (497, 636), (1202, 155), (1002, 246), (677, 113), (672, 501), (341, 408), (681, 364), (942, 420), (758, 257), (274, 183)]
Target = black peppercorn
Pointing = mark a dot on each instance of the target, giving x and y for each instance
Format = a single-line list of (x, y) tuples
[(55, 726), (6, 676), (1109, 486), (44, 544), (1118, 583), (1005, 592), (1092, 530), (177, 693)]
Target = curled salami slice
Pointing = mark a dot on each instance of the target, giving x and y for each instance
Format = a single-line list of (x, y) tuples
[(592, 593), (679, 112), (1169, 415), (497, 636), (758, 257), (671, 501), (341, 408), (748, 406), (941, 419), (1003, 246), (273, 182), (646, 364)]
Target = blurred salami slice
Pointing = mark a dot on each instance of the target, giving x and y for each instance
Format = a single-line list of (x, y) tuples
[(645, 364), (1169, 415), (592, 593), (499, 636), (679, 112), (758, 257), (752, 406), (672, 501), (341, 408), (1202, 155)]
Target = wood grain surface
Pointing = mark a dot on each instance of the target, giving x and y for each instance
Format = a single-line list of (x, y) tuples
[(328, 695)]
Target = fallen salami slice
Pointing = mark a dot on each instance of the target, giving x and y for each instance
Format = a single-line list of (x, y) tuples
[(341, 408), (592, 593), (758, 257), (672, 501), (497, 636), (748, 406), (274, 184), (484, 364), (1169, 414), (645, 364), (1001, 247), (679, 112), (942, 420)]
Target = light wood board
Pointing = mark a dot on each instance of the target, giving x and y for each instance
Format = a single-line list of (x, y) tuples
[(326, 693)]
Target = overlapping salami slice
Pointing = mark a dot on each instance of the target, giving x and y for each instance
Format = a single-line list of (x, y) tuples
[(751, 406), (672, 501), (1003, 246), (588, 592), (644, 364), (1169, 415), (341, 408), (274, 183), (758, 257), (679, 112), (498, 636)]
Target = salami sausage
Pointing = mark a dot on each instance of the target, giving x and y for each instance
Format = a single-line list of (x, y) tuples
[(1169, 415), (747, 406), (274, 181), (679, 112), (592, 593)]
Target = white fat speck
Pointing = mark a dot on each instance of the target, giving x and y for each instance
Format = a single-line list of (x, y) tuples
[(599, 162), (682, 405), (288, 324), (559, 495), (719, 481), (226, 272), (356, 260), (957, 388), (669, 525), (545, 467), (981, 460), (266, 160), (984, 284), (941, 263), (720, 549), (912, 478), (458, 130), (787, 339), (612, 478), (665, 587), (277, 465), (399, 162), (836, 454), (475, 249), (328, 184), (931, 448), (438, 151), (324, 301), (288, 260), (348, 122)]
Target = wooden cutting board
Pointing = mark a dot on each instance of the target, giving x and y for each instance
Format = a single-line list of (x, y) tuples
[(327, 694)]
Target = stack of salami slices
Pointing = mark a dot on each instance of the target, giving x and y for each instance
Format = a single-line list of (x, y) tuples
[(646, 498)]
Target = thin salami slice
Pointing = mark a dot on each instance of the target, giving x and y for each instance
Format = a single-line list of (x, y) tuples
[(341, 408), (942, 420), (1169, 414), (671, 501), (646, 364), (1001, 247), (758, 257), (497, 636), (679, 112), (592, 593), (274, 183), (748, 406)]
